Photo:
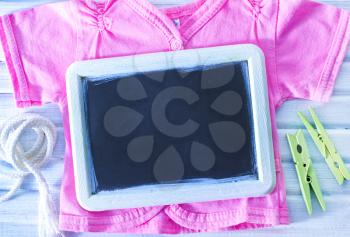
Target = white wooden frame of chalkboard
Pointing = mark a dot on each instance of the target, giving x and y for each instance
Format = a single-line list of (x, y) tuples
[(170, 194)]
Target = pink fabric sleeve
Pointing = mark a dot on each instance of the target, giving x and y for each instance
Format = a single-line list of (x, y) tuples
[(39, 45), (311, 42)]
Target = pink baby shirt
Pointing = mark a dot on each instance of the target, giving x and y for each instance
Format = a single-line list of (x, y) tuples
[(304, 43)]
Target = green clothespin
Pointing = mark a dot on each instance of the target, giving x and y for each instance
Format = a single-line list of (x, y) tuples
[(326, 147), (306, 173)]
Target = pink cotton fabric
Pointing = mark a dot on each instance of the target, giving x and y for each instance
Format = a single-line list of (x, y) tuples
[(304, 44)]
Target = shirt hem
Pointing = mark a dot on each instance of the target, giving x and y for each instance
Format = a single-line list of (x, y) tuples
[(335, 59), (246, 218), (14, 64)]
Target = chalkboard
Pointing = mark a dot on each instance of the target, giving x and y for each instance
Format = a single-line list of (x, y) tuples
[(173, 127), (170, 127)]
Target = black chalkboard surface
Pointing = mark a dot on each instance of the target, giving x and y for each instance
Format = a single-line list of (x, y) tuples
[(170, 127)]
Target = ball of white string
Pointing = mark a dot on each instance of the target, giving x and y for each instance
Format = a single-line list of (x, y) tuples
[(25, 162)]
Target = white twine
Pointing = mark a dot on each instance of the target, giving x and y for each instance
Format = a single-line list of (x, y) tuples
[(29, 162)]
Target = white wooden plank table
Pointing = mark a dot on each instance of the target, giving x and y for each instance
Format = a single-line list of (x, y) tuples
[(18, 216)]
